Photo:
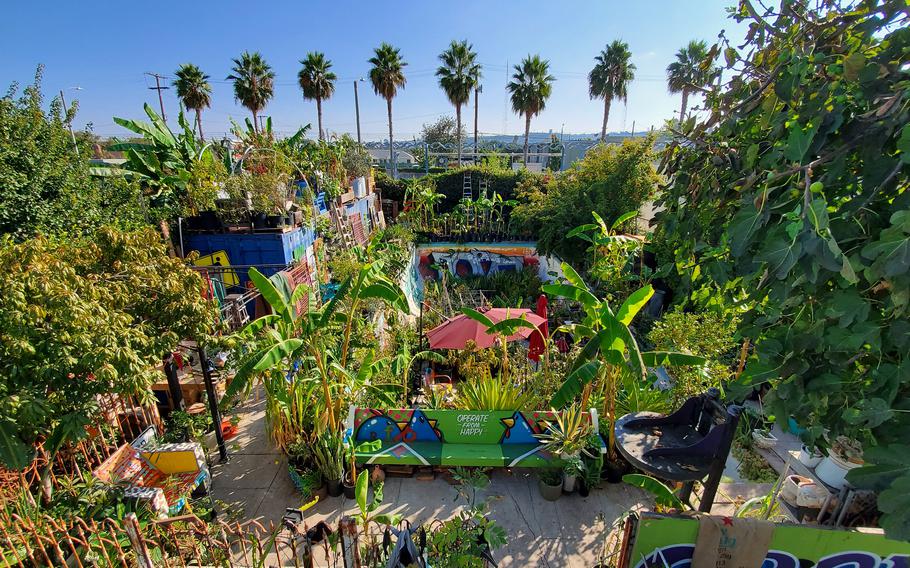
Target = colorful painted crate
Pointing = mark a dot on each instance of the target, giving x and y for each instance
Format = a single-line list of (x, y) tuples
[(412, 436), (161, 474)]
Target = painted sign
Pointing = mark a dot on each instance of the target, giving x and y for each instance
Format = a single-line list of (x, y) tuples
[(454, 437), (219, 258), (664, 541)]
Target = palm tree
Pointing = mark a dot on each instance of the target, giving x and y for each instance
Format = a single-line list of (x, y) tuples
[(689, 72), (387, 76), (610, 77), (194, 90), (254, 83), (458, 75), (531, 86), (317, 81)]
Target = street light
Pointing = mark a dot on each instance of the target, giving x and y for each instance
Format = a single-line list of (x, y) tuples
[(68, 122), (357, 107)]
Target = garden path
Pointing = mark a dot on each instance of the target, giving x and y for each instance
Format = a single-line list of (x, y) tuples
[(564, 533)]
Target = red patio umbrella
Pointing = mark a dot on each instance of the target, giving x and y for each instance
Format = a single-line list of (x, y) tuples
[(537, 344), (455, 332)]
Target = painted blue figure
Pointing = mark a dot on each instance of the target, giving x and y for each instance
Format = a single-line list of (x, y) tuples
[(379, 427), (517, 431), (421, 429)]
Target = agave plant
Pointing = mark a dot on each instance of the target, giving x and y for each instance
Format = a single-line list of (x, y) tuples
[(487, 393)]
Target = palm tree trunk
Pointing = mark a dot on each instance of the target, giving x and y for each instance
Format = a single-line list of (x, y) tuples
[(458, 130), (685, 101), (319, 117), (391, 147), (255, 121), (199, 123), (603, 130), (527, 132)]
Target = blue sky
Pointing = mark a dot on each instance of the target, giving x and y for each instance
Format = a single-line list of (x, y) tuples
[(105, 48)]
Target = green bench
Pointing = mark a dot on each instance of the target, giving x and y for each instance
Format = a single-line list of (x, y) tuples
[(413, 436)]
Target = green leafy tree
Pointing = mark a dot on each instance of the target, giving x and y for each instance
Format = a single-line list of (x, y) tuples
[(387, 76), (194, 90), (458, 75), (691, 71), (529, 89), (81, 318), (254, 83), (610, 77), (46, 187), (610, 181), (790, 200), (317, 81)]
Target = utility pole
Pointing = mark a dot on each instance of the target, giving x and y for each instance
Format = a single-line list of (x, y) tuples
[(477, 89), (159, 88), (357, 108), (69, 124)]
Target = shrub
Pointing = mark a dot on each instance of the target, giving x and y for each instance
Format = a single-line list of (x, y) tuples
[(610, 181), (706, 334)]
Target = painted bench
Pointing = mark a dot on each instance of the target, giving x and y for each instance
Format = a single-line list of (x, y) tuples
[(163, 475), (412, 436)]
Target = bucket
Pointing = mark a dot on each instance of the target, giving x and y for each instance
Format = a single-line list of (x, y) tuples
[(832, 470)]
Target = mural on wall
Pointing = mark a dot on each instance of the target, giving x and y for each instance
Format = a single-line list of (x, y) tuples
[(667, 541), (480, 259)]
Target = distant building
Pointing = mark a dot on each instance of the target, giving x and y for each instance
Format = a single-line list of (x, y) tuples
[(381, 157)]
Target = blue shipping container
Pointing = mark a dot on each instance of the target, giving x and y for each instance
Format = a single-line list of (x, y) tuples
[(256, 249)]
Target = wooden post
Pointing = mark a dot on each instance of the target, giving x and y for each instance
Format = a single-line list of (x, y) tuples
[(143, 559), (350, 548)]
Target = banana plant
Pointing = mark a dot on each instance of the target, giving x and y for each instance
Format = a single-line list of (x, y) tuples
[(312, 345), (402, 362), (611, 349)]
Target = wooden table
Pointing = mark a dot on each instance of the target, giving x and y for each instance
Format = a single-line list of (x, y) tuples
[(192, 386)]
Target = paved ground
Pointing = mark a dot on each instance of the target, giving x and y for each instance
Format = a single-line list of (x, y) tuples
[(564, 533)]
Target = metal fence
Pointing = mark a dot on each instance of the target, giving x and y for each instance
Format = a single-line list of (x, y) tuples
[(177, 542)]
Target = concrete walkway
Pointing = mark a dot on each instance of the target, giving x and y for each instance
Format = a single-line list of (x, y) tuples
[(564, 533)]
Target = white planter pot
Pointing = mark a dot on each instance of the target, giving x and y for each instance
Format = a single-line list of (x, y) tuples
[(832, 470), (809, 458), (568, 483)]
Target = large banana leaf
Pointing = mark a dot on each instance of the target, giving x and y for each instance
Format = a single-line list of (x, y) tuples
[(633, 304), (270, 293), (663, 495), (572, 293), (573, 277), (575, 383)]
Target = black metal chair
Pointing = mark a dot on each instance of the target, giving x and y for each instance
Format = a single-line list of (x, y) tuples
[(688, 445)]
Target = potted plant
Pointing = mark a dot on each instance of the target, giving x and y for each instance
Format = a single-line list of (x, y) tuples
[(845, 454), (350, 451), (763, 438), (328, 454), (572, 468), (549, 482), (591, 478), (809, 457)]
